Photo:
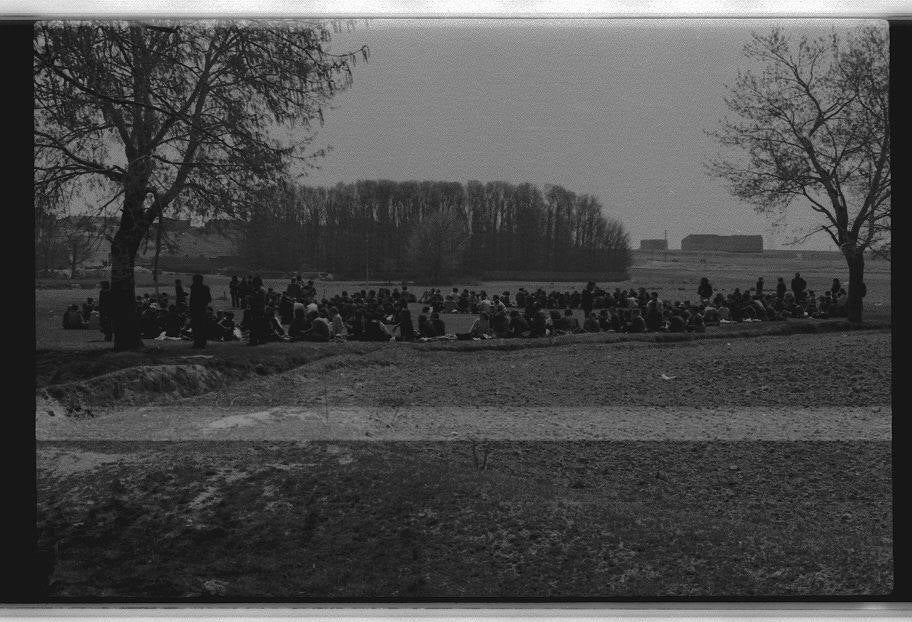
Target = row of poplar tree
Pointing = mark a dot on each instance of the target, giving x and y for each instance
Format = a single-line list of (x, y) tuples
[(432, 229)]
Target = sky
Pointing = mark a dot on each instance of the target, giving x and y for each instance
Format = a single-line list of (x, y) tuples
[(613, 108)]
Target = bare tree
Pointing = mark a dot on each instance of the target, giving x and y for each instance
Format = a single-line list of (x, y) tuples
[(812, 128), (47, 233), (80, 240), (209, 112)]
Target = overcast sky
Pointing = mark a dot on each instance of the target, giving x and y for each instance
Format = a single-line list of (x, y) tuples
[(617, 109)]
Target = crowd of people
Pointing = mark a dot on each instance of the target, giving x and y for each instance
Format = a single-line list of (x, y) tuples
[(298, 314)]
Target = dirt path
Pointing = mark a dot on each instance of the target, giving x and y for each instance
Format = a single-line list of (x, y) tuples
[(446, 423)]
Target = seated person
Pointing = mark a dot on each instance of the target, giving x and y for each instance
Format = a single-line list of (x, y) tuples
[(87, 307), (653, 317), (637, 324), (437, 323), (376, 330), (226, 323), (696, 323), (604, 320), (425, 328), (500, 324), (72, 318), (711, 316), (676, 324), (335, 320), (299, 324), (214, 330), (570, 322), (557, 323), (357, 329), (406, 328), (172, 322), (482, 326), (150, 326), (591, 325), (539, 327), (519, 327), (320, 328), (275, 331)]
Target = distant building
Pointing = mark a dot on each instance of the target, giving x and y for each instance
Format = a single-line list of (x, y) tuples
[(725, 243), (653, 245)]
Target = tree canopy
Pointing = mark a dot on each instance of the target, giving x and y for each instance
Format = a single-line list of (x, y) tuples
[(810, 127), (143, 113)]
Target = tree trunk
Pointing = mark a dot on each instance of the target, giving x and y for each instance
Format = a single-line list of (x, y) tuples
[(854, 305), (158, 247), (124, 318), (74, 257)]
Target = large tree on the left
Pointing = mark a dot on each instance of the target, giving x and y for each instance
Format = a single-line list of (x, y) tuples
[(143, 113)]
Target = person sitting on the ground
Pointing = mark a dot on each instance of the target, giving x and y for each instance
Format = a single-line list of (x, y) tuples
[(338, 326), (571, 322), (519, 327), (320, 329), (591, 324), (376, 330), (653, 317), (438, 324), (215, 332), (676, 324), (299, 325), (404, 320), (557, 322), (180, 295), (425, 328), (710, 315), (696, 323), (172, 322), (275, 331), (500, 323), (87, 307), (636, 324), (150, 327), (72, 318), (226, 323), (481, 327), (724, 313)]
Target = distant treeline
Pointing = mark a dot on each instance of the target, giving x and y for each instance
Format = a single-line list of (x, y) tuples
[(433, 230)]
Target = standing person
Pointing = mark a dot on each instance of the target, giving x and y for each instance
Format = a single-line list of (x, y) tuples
[(758, 290), (798, 287), (705, 290), (104, 310), (780, 289), (243, 292), (233, 288), (180, 296), (256, 313), (200, 297), (834, 290), (406, 328), (586, 299)]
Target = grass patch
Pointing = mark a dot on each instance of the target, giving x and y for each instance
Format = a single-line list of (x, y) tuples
[(339, 521)]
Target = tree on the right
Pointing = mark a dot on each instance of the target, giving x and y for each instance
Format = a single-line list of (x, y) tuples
[(810, 127)]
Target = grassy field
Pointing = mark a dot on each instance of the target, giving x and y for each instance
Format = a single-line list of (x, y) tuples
[(675, 278), (248, 503), (289, 521)]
